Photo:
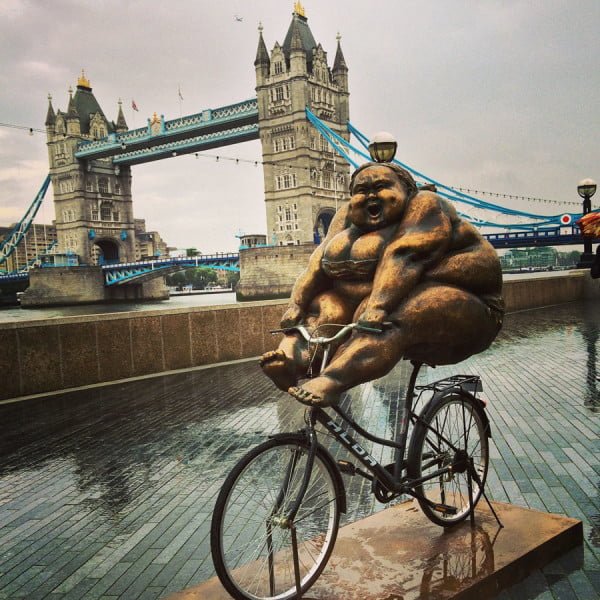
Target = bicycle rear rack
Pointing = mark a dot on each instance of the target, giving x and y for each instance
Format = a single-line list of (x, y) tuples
[(469, 383)]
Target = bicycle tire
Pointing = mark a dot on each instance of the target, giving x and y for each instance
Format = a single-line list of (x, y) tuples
[(459, 418), (259, 490)]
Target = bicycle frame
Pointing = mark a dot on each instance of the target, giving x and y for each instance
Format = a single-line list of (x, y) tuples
[(394, 482)]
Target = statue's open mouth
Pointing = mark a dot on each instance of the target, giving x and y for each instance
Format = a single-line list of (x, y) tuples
[(374, 209)]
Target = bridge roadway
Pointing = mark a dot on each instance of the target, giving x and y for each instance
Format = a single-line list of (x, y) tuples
[(107, 493)]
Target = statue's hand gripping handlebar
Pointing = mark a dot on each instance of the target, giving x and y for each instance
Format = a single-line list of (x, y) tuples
[(321, 340)]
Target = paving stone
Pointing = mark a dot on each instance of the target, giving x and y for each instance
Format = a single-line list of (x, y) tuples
[(108, 493)]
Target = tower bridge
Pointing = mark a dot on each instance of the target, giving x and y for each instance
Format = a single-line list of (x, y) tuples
[(300, 114)]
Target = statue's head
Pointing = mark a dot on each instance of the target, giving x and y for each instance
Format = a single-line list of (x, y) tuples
[(379, 194)]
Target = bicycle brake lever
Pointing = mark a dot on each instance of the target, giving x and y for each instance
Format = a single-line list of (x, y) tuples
[(385, 325)]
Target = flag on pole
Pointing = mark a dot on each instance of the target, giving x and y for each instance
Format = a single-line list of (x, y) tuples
[(179, 92), (134, 106)]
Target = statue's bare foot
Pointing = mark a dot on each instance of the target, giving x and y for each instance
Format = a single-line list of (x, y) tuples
[(315, 392), (276, 365)]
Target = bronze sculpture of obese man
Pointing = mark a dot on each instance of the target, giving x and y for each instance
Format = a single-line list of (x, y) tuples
[(396, 255)]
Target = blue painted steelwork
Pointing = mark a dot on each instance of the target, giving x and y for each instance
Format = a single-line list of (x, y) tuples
[(210, 128), (14, 276), (129, 272), (9, 244), (537, 223), (546, 237)]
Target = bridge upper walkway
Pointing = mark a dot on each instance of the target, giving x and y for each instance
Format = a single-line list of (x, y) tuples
[(108, 492), (210, 128)]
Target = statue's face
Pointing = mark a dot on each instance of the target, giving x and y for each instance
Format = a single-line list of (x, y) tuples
[(378, 198)]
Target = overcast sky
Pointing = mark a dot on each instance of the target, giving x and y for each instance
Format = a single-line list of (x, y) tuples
[(498, 96)]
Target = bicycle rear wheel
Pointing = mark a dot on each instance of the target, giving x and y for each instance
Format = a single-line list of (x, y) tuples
[(452, 433), (251, 543)]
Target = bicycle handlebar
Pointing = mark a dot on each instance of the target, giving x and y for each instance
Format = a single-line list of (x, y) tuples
[(305, 333)]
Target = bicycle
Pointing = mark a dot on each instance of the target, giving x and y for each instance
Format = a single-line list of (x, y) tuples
[(277, 515)]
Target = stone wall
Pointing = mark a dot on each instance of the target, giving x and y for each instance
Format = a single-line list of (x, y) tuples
[(46, 355), (60, 286), (522, 294), (64, 285), (270, 272)]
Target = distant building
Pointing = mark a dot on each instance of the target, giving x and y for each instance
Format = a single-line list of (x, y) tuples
[(252, 240), (35, 242), (148, 244)]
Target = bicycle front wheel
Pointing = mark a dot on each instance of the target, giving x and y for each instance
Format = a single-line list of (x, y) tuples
[(251, 541), (451, 436)]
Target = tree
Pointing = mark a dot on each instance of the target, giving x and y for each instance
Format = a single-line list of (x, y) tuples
[(191, 252), (176, 279), (233, 278), (200, 277)]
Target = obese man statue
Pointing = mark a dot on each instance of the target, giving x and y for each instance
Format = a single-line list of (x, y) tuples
[(395, 255)]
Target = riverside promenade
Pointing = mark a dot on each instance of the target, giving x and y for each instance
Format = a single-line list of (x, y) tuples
[(107, 493)]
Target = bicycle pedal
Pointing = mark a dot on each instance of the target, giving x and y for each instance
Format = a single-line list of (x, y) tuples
[(445, 509), (346, 467)]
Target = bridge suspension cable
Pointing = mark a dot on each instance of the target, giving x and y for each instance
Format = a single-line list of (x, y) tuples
[(454, 194)]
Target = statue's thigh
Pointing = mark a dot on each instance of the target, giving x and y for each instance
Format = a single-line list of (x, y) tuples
[(443, 324)]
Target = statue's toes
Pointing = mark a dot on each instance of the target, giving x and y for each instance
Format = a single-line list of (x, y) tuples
[(304, 396), (271, 356)]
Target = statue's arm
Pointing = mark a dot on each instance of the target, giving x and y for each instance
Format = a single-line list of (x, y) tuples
[(422, 239), (313, 279)]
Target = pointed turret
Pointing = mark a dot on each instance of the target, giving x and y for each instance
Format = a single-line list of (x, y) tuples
[(73, 123), (50, 115), (72, 109), (121, 123), (262, 63), (297, 52), (340, 69), (299, 35)]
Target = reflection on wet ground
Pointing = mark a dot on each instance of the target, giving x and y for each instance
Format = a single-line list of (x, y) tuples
[(108, 492)]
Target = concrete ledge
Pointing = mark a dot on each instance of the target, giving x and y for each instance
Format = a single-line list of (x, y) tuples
[(398, 553)]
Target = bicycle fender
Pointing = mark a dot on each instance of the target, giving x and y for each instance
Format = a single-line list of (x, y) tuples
[(325, 455), (477, 403)]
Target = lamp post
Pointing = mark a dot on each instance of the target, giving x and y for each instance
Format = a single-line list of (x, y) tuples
[(383, 147), (586, 189)]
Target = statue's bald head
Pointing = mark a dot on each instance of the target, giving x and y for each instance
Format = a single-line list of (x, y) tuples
[(403, 176)]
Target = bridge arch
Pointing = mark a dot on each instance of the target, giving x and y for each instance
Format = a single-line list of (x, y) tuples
[(322, 223), (106, 251)]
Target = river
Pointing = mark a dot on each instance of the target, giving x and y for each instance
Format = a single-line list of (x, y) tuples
[(16, 313)]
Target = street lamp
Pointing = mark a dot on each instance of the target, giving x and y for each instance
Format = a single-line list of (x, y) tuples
[(383, 147), (586, 189)]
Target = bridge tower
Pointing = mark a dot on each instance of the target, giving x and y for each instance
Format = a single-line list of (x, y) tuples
[(304, 179), (92, 199)]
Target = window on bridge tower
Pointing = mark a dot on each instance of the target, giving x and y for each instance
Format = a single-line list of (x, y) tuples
[(278, 68), (105, 212), (279, 93), (103, 185)]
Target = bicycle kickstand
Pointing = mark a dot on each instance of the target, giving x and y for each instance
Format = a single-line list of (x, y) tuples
[(472, 474), (296, 562)]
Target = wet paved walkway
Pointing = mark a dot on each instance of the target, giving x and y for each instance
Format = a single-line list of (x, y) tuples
[(108, 493)]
